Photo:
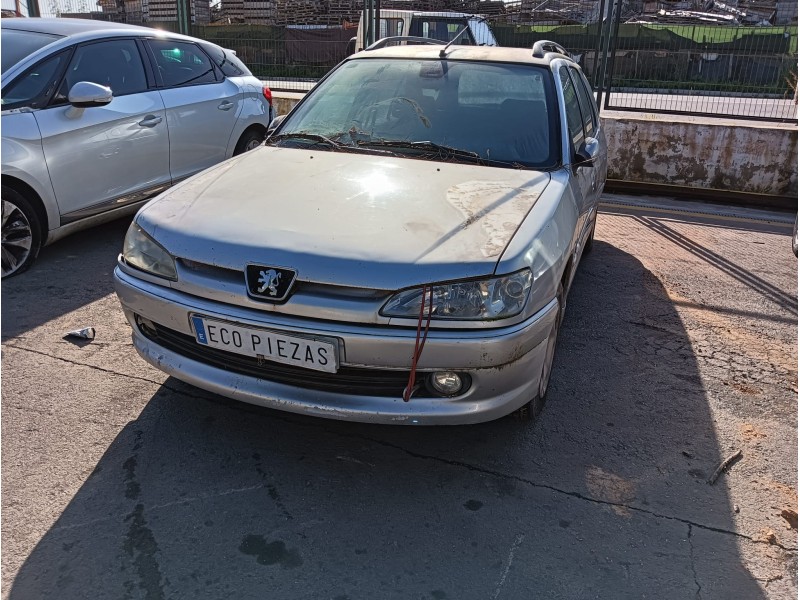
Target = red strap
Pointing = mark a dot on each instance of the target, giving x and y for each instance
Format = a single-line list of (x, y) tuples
[(419, 344)]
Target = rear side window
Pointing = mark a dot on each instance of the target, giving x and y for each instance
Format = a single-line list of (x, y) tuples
[(574, 118), (182, 63), (226, 61), (585, 104), (114, 63)]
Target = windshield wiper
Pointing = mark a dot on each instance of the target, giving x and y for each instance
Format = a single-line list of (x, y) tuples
[(439, 150), (321, 139), (314, 137)]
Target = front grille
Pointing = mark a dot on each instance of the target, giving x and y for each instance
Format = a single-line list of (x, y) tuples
[(348, 380)]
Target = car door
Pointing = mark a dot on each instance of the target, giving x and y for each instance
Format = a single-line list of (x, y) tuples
[(202, 106), (104, 157)]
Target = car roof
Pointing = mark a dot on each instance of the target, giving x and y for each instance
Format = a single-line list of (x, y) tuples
[(468, 53), (66, 27)]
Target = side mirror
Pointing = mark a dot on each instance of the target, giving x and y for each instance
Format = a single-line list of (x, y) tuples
[(588, 153), (274, 124), (86, 94)]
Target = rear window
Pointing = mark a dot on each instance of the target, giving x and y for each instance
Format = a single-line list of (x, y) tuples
[(16, 45)]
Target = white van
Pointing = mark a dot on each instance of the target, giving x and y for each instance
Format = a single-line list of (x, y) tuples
[(443, 26)]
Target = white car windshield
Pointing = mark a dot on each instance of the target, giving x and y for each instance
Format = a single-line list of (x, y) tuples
[(500, 114)]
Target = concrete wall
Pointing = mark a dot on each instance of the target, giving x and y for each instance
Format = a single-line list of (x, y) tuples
[(730, 155), (688, 153)]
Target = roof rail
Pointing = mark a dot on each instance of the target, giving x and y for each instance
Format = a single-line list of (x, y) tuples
[(381, 43), (544, 46)]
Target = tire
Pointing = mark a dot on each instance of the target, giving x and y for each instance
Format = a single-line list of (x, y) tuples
[(587, 247), (530, 411), (21, 233), (251, 139)]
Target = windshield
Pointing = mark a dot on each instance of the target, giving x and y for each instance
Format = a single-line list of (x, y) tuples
[(16, 45), (501, 114)]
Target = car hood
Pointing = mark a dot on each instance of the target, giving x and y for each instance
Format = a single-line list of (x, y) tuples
[(346, 219)]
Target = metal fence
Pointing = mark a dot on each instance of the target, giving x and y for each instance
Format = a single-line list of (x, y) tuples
[(724, 69)]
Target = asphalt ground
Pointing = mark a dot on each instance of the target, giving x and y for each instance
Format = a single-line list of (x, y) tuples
[(679, 348)]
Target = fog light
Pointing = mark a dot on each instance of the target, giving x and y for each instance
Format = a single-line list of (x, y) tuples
[(145, 325), (446, 383)]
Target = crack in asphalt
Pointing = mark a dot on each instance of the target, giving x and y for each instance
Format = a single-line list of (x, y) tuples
[(80, 364), (455, 463), (691, 562)]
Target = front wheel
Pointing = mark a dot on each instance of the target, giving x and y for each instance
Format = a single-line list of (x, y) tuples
[(531, 410), (21, 234)]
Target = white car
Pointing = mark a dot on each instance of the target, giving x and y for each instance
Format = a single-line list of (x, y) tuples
[(98, 117)]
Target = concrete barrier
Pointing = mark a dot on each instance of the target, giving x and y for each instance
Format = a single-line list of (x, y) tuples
[(703, 154), (693, 155)]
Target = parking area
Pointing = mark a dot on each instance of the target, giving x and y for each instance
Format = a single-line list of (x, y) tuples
[(678, 350)]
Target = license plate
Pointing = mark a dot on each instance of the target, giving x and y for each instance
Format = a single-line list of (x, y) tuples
[(304, 352)]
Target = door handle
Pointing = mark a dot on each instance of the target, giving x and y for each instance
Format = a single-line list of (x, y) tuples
[(150, 121), (225, 105)]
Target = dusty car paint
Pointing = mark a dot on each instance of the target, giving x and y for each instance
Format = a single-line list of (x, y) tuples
[(420, 220)]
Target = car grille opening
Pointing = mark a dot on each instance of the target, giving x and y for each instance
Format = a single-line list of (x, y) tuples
[(348, 380)]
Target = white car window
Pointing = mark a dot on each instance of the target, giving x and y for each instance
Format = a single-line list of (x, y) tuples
[(113, 63), (31, 89), (182, 63)]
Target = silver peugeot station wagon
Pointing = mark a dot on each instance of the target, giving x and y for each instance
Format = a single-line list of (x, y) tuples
[(400, 250)]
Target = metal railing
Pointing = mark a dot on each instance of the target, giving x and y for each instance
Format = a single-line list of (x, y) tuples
[(740, 71)]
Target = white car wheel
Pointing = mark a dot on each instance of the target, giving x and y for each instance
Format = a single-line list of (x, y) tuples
[(20, 235)]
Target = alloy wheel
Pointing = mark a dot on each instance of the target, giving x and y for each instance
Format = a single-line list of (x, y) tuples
[(252, 145), (17, 238)]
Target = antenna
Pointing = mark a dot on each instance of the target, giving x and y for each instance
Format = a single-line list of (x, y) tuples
[(443, 51)]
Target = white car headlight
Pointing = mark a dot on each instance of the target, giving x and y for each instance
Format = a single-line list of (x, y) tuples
[(143, 252), (478, 300)]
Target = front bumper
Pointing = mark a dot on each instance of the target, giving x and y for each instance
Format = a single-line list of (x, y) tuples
[(504, 364)]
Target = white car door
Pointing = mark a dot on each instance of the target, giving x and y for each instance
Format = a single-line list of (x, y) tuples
[(104, 157), (202, 106)]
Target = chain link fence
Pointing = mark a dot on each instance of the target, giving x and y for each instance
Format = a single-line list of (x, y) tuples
[(718, 63)]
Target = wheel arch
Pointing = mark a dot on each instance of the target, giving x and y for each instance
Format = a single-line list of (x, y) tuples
[(253, 127)]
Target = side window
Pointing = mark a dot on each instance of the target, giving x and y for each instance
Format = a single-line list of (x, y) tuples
[(574, 118), (32, 88), (226, 61), (114, 63), (445, 31), (391, 27), (593, 101), (585, 104), (182, 63)]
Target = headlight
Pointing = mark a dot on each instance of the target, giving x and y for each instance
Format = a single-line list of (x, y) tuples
[(142, 252), (483, 299)]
